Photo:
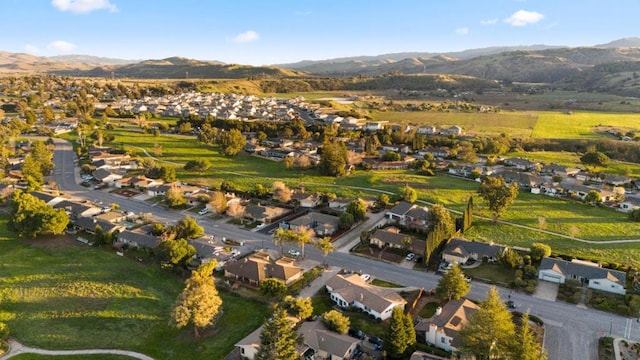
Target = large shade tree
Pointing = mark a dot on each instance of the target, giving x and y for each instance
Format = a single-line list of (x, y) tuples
[(452, 285), (31, 216), (199, 302), (497, 194)]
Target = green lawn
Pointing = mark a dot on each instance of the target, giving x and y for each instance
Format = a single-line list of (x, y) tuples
[(494, 272), (383, 283), (581, 125), (77, 297)]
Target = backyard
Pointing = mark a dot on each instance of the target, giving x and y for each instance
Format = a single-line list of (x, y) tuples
[(57, 294)]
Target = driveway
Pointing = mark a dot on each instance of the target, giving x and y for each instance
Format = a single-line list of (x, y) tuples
[(546, 290)]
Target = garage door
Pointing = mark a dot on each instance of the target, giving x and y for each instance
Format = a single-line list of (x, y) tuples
[(551, 278)]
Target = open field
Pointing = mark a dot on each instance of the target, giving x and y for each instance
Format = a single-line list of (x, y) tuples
[(581, 125), (60, 295), (573, 160)]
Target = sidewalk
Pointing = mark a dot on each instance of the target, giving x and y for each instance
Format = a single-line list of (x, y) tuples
[(352, 237)]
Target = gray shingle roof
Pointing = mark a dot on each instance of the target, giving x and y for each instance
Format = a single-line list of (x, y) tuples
[(568, 268)]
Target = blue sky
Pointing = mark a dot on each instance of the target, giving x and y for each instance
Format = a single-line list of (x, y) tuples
[(260, 32)]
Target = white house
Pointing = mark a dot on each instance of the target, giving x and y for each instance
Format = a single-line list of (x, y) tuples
[(443, 329), (326, 344), (629, 204), (588, 273), (352, 291)]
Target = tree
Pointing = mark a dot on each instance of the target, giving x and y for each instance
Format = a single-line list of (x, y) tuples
[(409, 194), (197, 165), (326, 246), (31, 216), (357, 208), (490, 331), (278, 339), (333, 159), (452, 285), (199, 302), (635, 215), (235, 210), (383, 200), (539, 250), (175, 252), (4, 332), (299, 307), (400, 333), (498, 196), (442, 217), (593, 197), (168, 174), (31, 173), (511, 258), (43, 156), (232, 142), (273, 287), (281, 192), (47, 115), (526, 345), (174, 197), (188, 228), (303, 236), (467, 219), (335, 321), (595, 158), (280, 237), (346, 221), (218, 202)]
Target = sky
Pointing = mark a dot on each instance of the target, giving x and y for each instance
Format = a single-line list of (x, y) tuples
[(264, 32)]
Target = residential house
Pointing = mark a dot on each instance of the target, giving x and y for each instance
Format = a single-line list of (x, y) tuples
[(90, 225), (523, 179), (137, 238), (340, 203), (255, 268), (585, 176), (321, 224), (49, 199), (400, 149), (75, 210), (427, 130), (139, 182), (374, 125), (443, 329), (461, 250), (110, 159), (352, 291), (264, 213), (616, 180), (629, 204), (452, 130), (399, 211), (250, 344), (437, 152), (327, 344), (558, 170), (391, 237), (521, 164), (106, 176), (306, 200), (417, 217), (588, 273)]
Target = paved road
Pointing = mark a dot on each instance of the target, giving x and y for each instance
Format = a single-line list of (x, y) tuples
[(572, 332)]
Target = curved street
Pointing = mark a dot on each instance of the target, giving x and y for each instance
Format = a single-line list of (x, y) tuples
[(572, 332)]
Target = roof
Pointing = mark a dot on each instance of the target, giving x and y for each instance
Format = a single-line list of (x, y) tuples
[(391, 235), (315, 219), (318, 337), (418, 213), (43, 196), (74, 207), (260, 266), (402, 208), (462, 248), (260, 212), (455, 314), (91, 223), (590, 272), (352, 287), (139, 237)]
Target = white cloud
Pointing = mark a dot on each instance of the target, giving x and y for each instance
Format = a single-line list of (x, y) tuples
[(61, 46), (489, 22), (245, 37), (31, 49), (462, 31), (524, 18), (83, 6)]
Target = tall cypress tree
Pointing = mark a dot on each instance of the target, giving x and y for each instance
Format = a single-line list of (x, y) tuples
[(397, 341)]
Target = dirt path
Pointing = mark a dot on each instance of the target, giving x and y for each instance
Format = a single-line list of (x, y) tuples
[(17, 348)]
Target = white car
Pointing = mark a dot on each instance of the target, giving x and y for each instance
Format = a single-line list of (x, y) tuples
[(410, 256), (203, 211), (294, 252), (365, 277)]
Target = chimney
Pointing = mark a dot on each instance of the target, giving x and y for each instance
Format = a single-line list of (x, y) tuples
[(438, 310)]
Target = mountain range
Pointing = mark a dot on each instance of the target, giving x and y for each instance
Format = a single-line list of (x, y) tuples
[(610, 67)]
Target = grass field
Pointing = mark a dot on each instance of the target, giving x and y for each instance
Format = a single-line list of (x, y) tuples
[(581, 125), (60, 296), (70, 357)]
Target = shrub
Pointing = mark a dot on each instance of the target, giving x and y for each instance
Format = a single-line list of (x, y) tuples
[(530, 289)]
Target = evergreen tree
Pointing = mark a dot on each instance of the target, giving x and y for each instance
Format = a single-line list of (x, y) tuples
[(397, 340), (490, 332), (333, 159), (452, 286), (409, 329), (526, 346), (278, 339), (468, 215), (441, 216), (199, 302)]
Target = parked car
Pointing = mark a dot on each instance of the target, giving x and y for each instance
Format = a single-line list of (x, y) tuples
[(418, 259), (410, 256), (376, 341), (294, 252), (356, 333), (365, 277), (511, 304), (203, 211)]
